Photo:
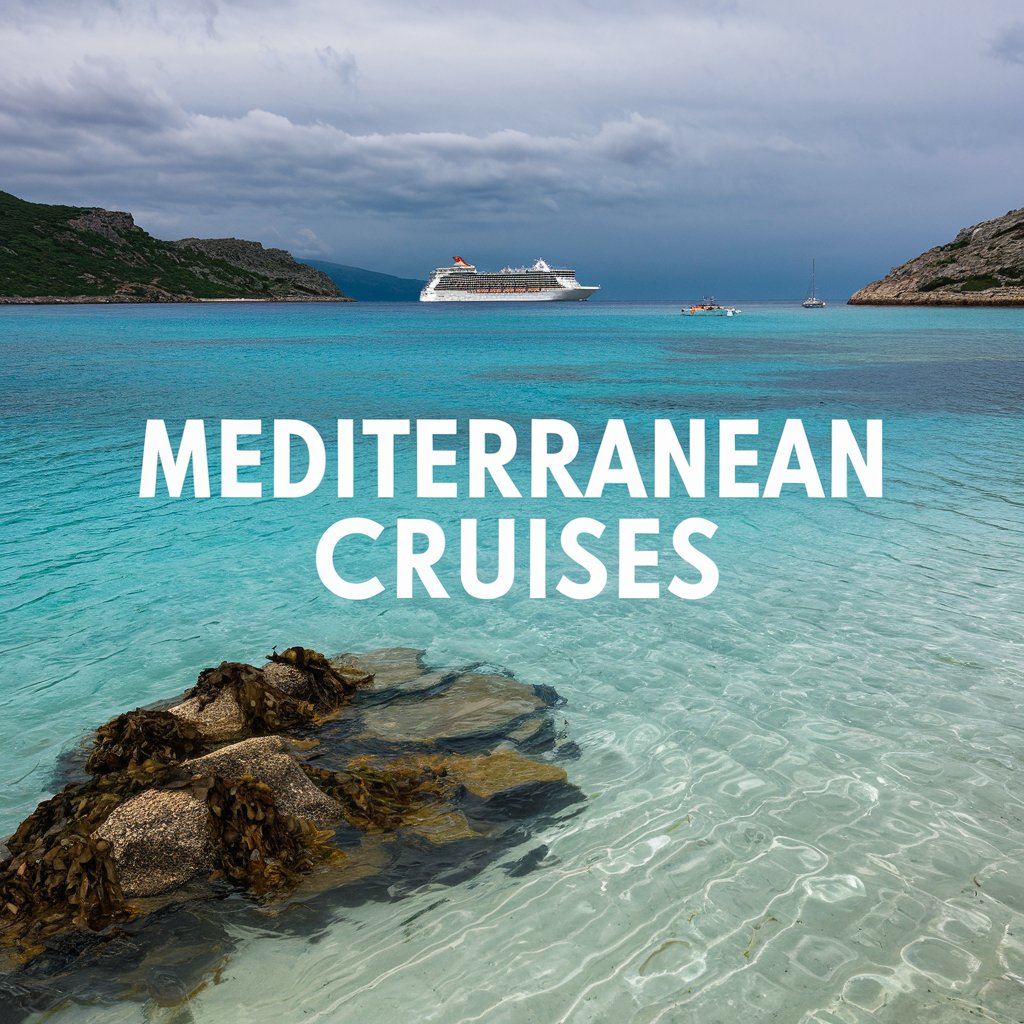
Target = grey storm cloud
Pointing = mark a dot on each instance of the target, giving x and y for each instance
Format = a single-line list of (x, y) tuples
[(710, 134), (93, 97), (1009, 43), (101, 117), (341, 65)]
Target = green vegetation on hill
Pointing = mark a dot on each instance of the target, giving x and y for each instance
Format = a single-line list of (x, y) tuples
[(68, 252)]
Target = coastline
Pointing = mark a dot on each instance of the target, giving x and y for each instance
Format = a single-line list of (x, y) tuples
[(119, 300), (1015, 299)]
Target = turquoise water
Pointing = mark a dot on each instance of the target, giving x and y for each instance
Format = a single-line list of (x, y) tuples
[(805, 798)]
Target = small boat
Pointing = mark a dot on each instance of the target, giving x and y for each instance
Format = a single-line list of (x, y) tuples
[(708, 307), (812, 301)]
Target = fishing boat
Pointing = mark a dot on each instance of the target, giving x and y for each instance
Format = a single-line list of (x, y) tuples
[(812, 301), (708, 307)]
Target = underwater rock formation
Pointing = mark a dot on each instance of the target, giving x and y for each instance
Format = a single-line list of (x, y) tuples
[(304, 772), (471, 705)]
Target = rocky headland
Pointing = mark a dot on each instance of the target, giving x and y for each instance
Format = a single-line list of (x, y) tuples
[(67, 254), (982, 266), (311, 778)]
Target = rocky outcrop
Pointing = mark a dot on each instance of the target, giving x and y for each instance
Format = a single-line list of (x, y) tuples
[(256, 776), (276, 264), (982, 266), (113, 225)]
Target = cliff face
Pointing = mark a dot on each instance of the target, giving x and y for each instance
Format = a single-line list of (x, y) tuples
[(73, 254), (276, 264), (982, 266)]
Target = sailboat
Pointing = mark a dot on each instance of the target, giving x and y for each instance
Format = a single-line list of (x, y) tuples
[(812, 301)]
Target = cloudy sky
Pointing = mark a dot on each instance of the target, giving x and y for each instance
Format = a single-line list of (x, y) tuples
[(664, 149)]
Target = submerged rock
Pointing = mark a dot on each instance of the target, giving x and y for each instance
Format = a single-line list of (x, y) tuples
[(394, 669), (502, 773), (368, 766), (438, 824), (472, 705)]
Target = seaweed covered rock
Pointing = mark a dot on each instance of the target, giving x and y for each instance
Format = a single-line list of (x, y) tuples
[(214, 789), (67, 881), (265, 709), (137, 737), (76, 808), (217, 720), (267, 759), (296, 688), (324, 684), (247, 811)]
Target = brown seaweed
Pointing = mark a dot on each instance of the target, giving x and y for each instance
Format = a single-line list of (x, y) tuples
[(69, 883), (259, 847), (265, 708), (373, 796), (329, 685), (76, 808), (136, 737)]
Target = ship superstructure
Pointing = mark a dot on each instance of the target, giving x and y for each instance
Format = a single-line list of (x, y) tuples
[(462, 282)]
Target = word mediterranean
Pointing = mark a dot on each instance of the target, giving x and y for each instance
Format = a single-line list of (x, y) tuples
[(442, 459)]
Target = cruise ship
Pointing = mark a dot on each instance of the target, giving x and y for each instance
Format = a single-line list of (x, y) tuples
[(461, 282)]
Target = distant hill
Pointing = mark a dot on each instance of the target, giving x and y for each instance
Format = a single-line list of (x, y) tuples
[(982, 266), (368, 285), (80, 254)]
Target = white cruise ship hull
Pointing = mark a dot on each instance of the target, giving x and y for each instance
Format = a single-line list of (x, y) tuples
[(549, 295), (540, 283)]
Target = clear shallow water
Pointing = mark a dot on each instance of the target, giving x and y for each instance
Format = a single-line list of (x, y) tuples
[(805, 796)]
